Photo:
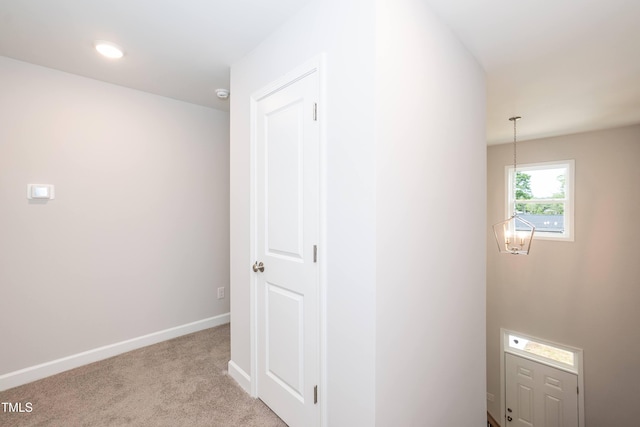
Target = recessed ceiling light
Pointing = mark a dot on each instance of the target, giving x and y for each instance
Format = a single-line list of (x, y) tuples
[(108, 49), (222, 93)]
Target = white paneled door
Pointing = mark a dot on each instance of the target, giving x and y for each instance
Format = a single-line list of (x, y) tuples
[(539, 395), (286, 183)]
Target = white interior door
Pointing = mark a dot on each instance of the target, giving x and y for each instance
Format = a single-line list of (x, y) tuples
[(287, 230), (539, 395)]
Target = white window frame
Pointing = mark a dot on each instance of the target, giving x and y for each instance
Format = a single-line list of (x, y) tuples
[(568, 235)]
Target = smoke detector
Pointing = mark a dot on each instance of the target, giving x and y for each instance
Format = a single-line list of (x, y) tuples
[(222, 93)]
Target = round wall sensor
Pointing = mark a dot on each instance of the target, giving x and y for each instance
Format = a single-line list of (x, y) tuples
[(222, 93)]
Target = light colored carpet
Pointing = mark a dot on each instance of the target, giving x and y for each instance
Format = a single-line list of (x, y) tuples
[(181, 382)]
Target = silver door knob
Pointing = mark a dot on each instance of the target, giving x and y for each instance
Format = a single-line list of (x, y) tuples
[(258, 266)]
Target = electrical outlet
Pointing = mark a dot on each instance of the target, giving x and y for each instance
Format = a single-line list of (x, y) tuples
[(220, 293), (490, 397)]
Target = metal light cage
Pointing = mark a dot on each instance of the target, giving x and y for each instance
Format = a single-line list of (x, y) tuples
[(514, 235)]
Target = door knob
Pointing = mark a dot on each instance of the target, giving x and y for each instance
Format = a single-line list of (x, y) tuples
[(258, 266), (509, 419)]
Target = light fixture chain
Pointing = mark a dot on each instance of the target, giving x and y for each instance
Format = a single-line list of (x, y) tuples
[(515, 170), (514, 119)]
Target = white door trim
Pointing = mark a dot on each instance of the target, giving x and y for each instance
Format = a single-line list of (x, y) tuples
[(315, 65), (579, 369)]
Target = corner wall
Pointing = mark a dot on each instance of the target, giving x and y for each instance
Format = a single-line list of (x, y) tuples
[(136, 240), (583, 293), (431, 199), (404, 299)]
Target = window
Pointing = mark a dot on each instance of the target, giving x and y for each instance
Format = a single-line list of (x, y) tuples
[(542, 350), (542, 194), (557, 355)]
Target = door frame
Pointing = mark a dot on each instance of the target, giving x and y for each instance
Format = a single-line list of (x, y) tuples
[(578, 368), (314, 65)]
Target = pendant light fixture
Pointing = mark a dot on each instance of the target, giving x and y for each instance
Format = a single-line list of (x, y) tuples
[(514, 235)]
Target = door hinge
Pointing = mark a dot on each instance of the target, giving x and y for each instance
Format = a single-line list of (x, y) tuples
[(315, 395), (315, 111), (577, 390), (315, 253)]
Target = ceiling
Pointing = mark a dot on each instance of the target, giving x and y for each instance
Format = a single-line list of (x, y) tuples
[(179, 49), (564, 66)]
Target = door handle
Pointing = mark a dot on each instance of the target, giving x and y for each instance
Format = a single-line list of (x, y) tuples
[(258, 266), (509, 419)]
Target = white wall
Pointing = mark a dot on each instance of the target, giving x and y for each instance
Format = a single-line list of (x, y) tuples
[(583, 293), (344, 31), (137, 238), (398, 163), (431, 198)]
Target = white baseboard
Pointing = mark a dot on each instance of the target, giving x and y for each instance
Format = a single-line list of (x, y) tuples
[(241, 377), (33, 373)]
